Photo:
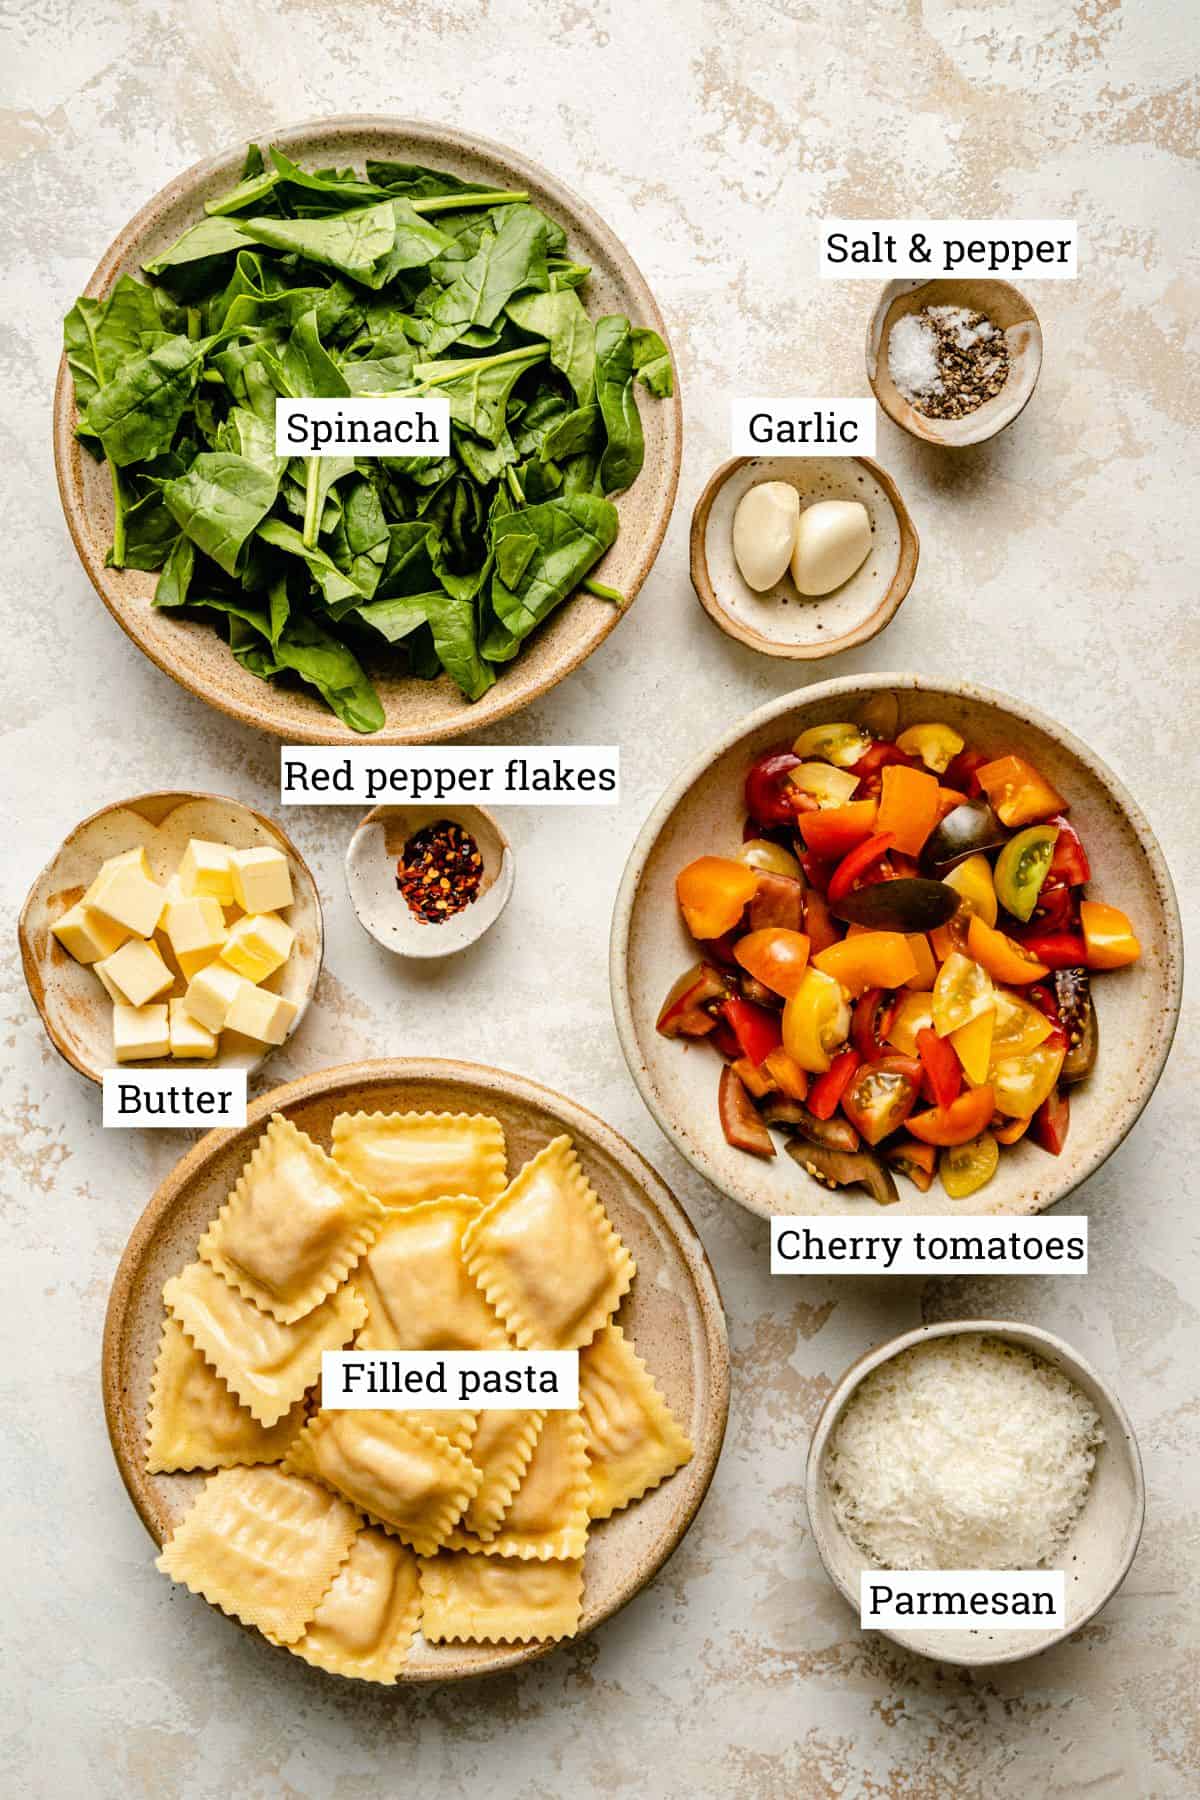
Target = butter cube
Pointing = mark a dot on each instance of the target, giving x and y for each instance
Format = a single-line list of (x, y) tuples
[(140, 1032), (137, 971), (125, 893), (262, 881), (87, 935), (258, 1014), (205, 870), (189, 1039), (258, 944), (211, 993), (108, 984), (195, 923), (192, 961)]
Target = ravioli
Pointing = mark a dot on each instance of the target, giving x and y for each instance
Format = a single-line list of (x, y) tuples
[(196, 1423), (546, 1256), (405, 1158), (262, 1545), (501, 1450), (396, 1470), (548, 1515), (633, 1440), (418, 1293), (293, 1227), (266, 1364), (499, 1599), (364, 1626)]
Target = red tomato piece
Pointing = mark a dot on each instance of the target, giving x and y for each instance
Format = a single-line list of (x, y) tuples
[(941, 1065), (757, 1031), (1069, 864), (1051, 1122), (825, 1094), (769, 789), (1057, 949), (854, 866)]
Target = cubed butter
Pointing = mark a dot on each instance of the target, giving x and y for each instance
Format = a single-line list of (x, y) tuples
[(192, 961), (189, 1039), (258, 1014), (257, 945), (211, 993), (108, 984), (87, 935), (262, 881), (195, 923), (137, 971), (125, 893), (205, 870), (140, 1032)]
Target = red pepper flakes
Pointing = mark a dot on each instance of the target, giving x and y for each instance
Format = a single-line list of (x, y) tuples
[(440, 871)]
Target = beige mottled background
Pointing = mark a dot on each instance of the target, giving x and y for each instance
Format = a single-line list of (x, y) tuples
[(1059, 564)]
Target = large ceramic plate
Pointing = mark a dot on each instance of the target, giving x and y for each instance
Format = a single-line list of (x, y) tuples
[(417, 712), (702, 813), (673, 1312)]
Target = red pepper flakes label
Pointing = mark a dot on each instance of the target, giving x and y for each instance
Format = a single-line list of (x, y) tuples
[(440, 871)]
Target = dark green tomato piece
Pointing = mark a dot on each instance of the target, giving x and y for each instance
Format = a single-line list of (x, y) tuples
[(794, 1116), (1022, 867), (908, 904), (965, 831), (846, 1168), (1077, 1015)]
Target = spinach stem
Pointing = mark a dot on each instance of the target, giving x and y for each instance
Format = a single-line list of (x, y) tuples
[(458, 202), (246, 193), (193, 323), (312, 501), (602, 592), (118, 494), (451, 371)]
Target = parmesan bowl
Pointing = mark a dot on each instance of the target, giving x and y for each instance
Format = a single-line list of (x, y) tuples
[(1101, 1545)]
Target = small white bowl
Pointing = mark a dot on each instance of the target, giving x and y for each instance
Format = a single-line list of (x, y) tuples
[(381, 908), (1098, 1552)]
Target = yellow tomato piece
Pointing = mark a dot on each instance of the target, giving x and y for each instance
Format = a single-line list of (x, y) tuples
[(972, 882), (923, 956), (1002, 957), (973, 1046), (908, 807), (827, 785), (712, 892), (761, 853), (1019, 1027), (816, 1020), (913, 1014), (935, 744), (839, 744), (880, 959), (1020, 1083), (965, 1168), (1108, 936), (962, 992), (1018, 793)]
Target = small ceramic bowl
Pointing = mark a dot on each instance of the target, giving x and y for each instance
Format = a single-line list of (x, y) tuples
[(1006, 307), (74, 1007), (1099, 1551), (371, 859), (781, 621), (702, 813)]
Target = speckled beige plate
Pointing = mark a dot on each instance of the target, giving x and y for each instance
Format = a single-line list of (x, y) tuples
[(1007, 307), (381, 908), (74, 1007), (417, 712), (702, 813), (673, 1310), (782, 621), (1099, 1551)]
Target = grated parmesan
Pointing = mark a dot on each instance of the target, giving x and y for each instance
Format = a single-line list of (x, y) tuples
[(962, 1453)]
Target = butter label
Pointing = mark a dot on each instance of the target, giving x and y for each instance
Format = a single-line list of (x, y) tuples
[(173, 1098), (963, 1599), (410, 426), (432, 1380)]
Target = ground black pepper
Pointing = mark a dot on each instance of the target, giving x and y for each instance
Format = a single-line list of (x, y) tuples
[(440, 871)]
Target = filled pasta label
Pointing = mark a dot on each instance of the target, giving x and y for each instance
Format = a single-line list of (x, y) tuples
[(420, 1380)]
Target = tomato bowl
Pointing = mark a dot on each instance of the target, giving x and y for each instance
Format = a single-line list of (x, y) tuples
[(702, 814)]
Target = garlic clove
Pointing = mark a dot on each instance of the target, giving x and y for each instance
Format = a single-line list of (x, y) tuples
[(833, 539), (764, 531)]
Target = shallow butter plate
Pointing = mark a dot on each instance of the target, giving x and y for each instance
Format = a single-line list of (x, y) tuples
[(673, 1312)]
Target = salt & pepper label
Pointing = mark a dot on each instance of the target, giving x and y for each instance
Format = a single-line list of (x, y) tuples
[(864, 249)]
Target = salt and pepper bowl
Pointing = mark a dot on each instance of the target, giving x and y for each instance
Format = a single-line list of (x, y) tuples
[(371, 858), (1006, 307)]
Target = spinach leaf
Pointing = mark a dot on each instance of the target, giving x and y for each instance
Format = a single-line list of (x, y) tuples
[(570, 535), (219, 502), (652, 363), (368, 243), (339, 591), (316, 656), (136, 413), (199, 243), (177, 572), (624, 451), (507, 260), (560, 319), (478, 389)]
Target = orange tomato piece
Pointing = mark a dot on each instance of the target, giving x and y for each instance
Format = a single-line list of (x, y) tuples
[(1003, 958), (923, 956), (880, 959), (774, 956), (836, 830), (948, 799), (957, 1123), (1019, 795), (908, 806), (787, 1074), (1109, 936), (712, 892)]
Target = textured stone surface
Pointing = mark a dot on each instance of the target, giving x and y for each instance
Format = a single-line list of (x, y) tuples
[(1058, 563)]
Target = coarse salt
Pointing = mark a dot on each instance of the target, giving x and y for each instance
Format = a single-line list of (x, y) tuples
[(913, 358)]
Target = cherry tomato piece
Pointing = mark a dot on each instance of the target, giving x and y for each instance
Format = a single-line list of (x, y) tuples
[(957, 1123), (942, 1068), (770, 796), (827, 1091), (774, 956), (880, 1096)]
